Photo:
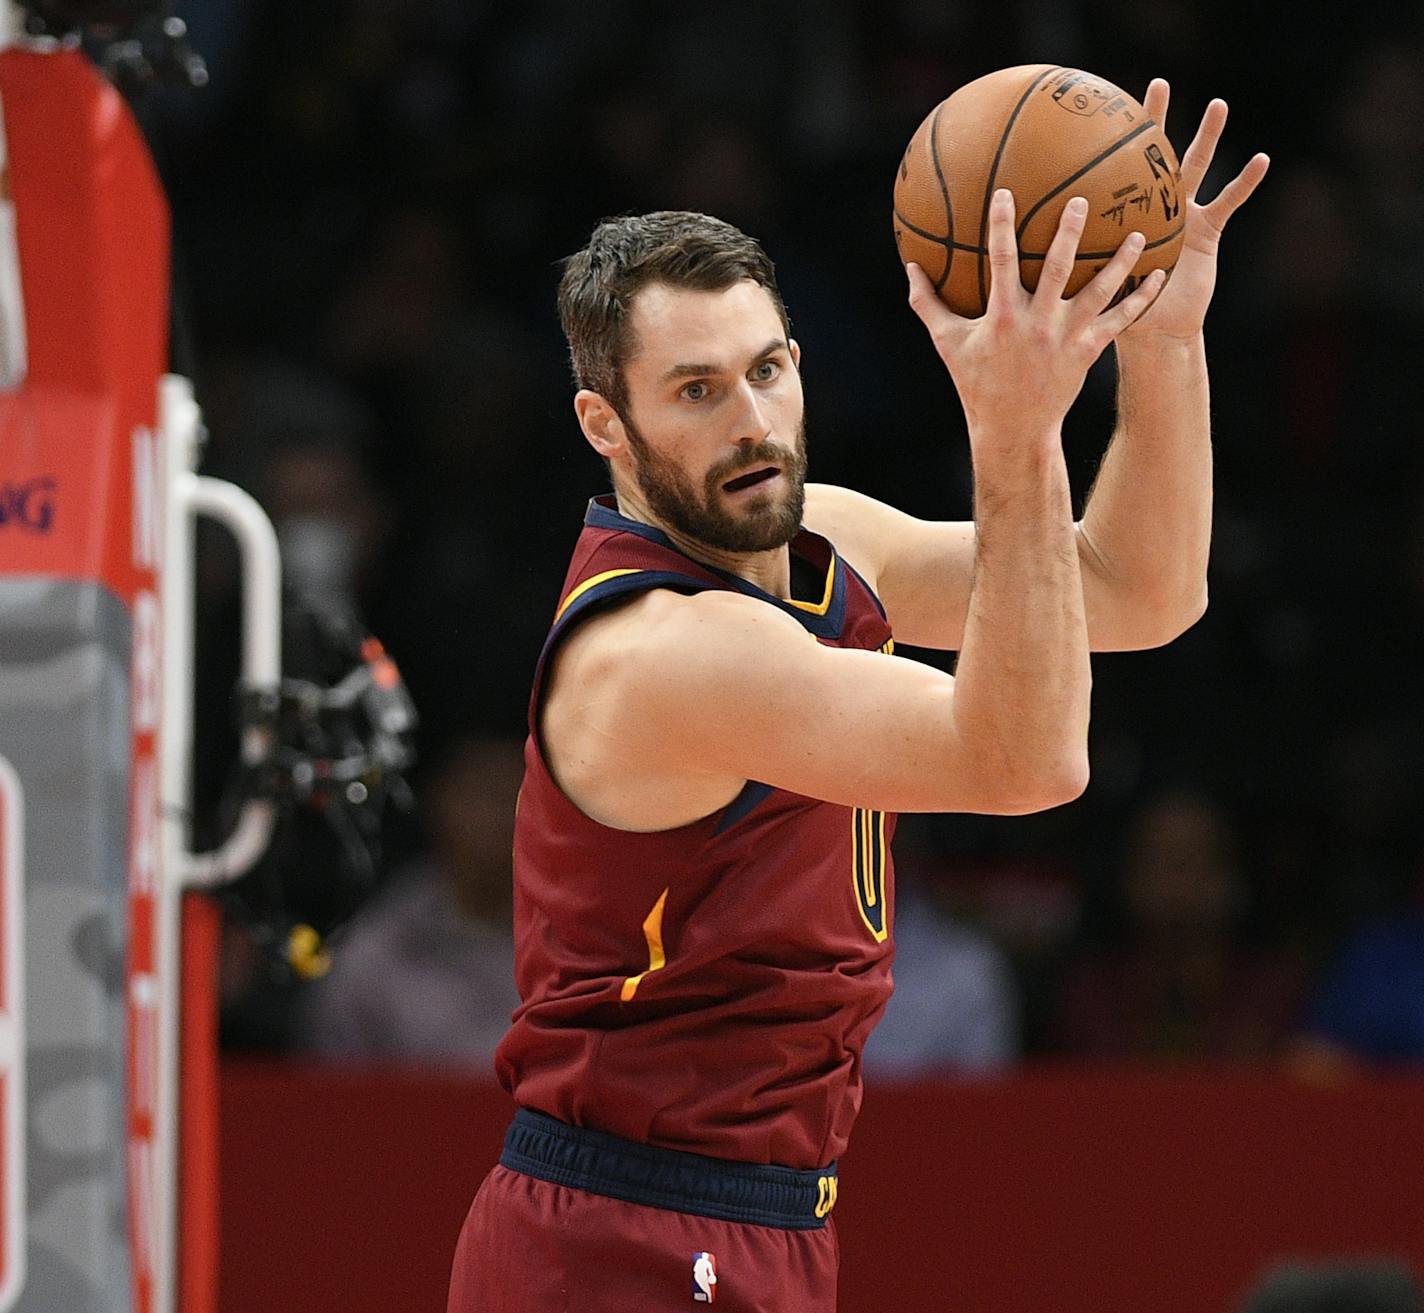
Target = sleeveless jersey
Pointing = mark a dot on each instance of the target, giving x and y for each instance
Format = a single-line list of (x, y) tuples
[(707, 988)]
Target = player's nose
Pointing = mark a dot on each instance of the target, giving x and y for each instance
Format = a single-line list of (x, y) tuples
[(752, 418)]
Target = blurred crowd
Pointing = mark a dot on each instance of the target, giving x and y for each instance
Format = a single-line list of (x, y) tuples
[(370, 201)]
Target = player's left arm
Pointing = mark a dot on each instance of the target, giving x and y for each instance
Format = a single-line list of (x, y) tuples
[(1146, 530), (922, 571), (1145, 534)]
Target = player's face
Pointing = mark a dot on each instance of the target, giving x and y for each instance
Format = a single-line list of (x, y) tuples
[(715, 416)]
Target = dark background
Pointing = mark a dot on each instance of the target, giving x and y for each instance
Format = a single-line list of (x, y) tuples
[(370, 202)]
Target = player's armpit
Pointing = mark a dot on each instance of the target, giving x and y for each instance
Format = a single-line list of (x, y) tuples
[(726, 686)]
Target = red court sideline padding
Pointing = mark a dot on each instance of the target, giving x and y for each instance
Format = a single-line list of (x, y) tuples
[(1071, 1190)]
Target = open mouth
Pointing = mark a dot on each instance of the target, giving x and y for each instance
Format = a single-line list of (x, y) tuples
[(751, 479)]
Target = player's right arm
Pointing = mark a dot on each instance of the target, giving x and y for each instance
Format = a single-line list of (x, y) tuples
[(660, 710), (665, 706)]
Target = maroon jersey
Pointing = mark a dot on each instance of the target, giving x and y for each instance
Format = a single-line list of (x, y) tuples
[(707, 988)]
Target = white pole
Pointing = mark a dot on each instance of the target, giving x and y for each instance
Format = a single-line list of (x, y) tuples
[(14, 348), (12, 23), (188, 495), (180, 426), (12, 1035)]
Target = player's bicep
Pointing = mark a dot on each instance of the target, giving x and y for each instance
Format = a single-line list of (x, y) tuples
[(737, 687)]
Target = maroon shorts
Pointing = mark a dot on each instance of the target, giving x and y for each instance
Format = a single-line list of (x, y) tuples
[(548, 1232), (532, 1247)]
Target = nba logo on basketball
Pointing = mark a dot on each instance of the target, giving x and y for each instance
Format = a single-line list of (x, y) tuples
[(704, 1277)]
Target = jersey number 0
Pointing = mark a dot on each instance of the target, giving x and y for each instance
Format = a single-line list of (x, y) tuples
[(867, 838)]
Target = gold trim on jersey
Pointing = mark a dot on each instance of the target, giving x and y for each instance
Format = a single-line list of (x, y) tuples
[(591, 582), (869, 853), (653, 933), (825, 603)]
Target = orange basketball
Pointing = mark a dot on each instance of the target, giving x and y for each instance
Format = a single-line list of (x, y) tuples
[(1048, 134)]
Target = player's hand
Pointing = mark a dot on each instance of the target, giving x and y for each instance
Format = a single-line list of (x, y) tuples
[(1019, 367), (1181, 309)]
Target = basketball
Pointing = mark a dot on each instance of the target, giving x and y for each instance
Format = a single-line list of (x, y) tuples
[(1047, 133)]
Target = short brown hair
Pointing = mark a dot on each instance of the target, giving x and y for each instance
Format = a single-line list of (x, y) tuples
[(622, 257)]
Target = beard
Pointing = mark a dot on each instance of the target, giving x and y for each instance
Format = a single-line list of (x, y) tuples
[(765, 522)]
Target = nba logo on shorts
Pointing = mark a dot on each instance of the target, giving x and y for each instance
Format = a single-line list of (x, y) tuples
[(704, 1277)]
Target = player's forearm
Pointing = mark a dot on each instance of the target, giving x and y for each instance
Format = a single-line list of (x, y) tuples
[(1023, 679), (1146, 530)]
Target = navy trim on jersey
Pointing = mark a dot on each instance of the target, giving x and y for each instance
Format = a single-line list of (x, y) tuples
[(634, 582), (602, 516), (603, 1164), (742, 806)]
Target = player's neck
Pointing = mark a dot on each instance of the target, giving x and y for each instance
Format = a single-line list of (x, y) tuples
[(769, 570)]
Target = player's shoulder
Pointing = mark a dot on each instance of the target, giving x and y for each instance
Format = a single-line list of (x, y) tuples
[(668, 629), (856, 525), (831, 504)]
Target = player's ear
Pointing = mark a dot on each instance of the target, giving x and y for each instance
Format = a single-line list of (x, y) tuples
[(600, 424), (795, 351)]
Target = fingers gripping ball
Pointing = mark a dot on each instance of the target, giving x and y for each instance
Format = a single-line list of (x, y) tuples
[(1048, 134)]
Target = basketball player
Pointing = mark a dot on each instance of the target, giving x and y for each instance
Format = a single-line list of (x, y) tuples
[(720, 734)]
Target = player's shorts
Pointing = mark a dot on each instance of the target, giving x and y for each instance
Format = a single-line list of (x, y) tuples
[(576, 1221)]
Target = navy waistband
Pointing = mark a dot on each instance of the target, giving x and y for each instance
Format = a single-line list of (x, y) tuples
[(546, 1148)]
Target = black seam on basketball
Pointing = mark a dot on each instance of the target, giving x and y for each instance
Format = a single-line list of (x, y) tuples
[(1108, 255), (994, 172), (943, 191), (1042, 255), (967, 247), (920, 232), (1090, 165)]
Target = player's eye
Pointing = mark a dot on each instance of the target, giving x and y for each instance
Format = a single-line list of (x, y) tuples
[(695, 391), (766, 371)]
